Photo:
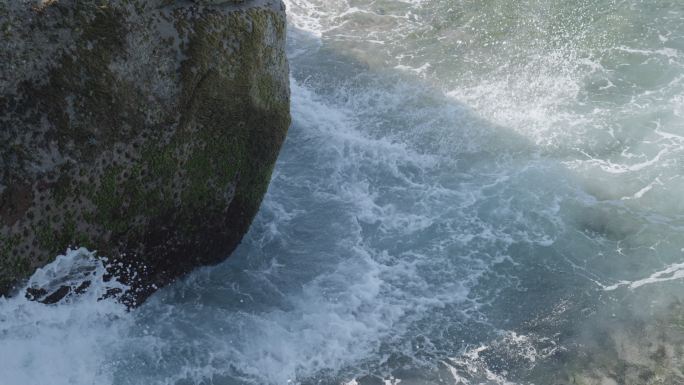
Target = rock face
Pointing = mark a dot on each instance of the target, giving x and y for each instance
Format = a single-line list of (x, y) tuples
[(647, 351), (144, 129)]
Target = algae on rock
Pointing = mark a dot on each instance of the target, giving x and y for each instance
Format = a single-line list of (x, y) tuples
[(145, 130)]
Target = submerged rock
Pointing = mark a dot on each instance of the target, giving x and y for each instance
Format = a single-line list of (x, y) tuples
[(145, 130), (643, 352)]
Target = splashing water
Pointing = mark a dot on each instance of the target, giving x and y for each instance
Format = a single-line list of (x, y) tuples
[(63, 343), (471, 193)]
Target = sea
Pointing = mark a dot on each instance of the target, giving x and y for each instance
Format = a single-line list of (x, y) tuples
[(471, 192)]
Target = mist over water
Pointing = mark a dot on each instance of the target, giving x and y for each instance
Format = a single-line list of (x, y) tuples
[(470, 193)]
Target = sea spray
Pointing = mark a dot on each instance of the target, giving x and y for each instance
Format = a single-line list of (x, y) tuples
[(461, 184), (67, 342)]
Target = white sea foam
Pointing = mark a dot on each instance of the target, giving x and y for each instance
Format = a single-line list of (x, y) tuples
[(452, 167), (670, 273), (65, 343), (473, 367)]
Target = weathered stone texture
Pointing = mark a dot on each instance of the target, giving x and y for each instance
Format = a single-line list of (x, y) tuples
[(145, 130)]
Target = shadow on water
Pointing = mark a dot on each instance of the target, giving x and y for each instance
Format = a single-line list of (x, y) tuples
[(404, 235), (554, 295)]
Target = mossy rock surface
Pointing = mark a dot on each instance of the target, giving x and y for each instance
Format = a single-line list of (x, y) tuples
[(145, 130)]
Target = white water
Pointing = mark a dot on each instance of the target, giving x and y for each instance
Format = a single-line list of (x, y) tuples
[(465, 185), (64, 343)]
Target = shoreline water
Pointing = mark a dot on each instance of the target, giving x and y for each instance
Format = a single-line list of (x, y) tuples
[(478, 192)]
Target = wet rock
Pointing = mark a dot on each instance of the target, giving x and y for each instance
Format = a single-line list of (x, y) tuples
[(145, 130), (649, 352)]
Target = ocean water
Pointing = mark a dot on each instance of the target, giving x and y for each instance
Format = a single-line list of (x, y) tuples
[(471, 192)]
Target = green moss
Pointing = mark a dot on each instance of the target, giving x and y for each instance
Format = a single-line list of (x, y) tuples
[(12, 267), (161, 161), (63, 188), (138, 196), (108, 202), (69, 237), (7, 245), (84, 77), (57, 239), (247, 151), (46, 238), (193, 177), (212, 167)]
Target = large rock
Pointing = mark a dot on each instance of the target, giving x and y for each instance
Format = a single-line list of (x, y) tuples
[(144, 129)]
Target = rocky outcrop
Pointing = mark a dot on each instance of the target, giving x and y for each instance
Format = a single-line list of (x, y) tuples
[(644, 349), (144, 129)]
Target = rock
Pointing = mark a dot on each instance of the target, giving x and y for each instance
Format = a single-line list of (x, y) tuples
[(644, 348), (145, 130)]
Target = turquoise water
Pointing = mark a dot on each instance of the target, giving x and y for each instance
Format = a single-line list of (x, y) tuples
[(472, 192)]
